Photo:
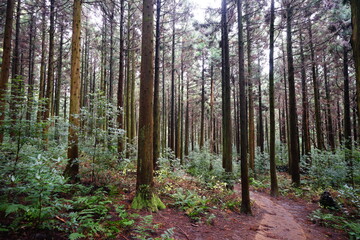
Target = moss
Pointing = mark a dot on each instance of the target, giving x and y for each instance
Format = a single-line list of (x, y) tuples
[(142, 200)]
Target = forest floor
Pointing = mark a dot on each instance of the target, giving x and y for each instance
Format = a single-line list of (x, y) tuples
[(196, 211), (272, 218), (283, 217)]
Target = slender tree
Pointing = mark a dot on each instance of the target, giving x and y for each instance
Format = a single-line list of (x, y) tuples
[(226, 93), (245, 193), (294, 134), (120, 99), (5, 66), (355, 42), (72, 168), (157, 86), (274, 185), (145, 196)]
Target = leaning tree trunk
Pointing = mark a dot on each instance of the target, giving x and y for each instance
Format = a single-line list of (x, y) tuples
[(5, 66), (145, 196), (72, 168)]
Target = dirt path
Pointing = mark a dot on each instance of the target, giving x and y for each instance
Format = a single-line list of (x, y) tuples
[(277, 222)]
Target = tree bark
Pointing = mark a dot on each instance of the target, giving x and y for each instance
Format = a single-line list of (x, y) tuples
[(347, 118), (145, 197), (305, 103), (120, 93), (274, 185), (50, 77), (250, 92), (319, 132), (245, 194), (355, 42), (226, 93), (294, 134), (72, 168), (156, 87), (5, 66)]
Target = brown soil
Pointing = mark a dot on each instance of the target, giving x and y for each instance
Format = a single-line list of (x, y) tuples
[(273, 218)]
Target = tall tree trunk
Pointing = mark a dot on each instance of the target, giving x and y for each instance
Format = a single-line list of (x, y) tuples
[(226, 93), (59, 83), (72, 168), (347, 118), (319, 133), (355, 42), (145, 196), (294, 135), (17, 79), (245, 194), (120, 93), (212, 119), (5, 66), (305, 104), (50, 77), (30, 94), (260, 131), (250, 92), (42, 64), (186, 147), (202, 123), (172, 107), (156, 87), (274, 185), (329, 125)]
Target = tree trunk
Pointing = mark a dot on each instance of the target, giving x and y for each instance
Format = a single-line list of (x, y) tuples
[(274, 185), (42, 65), (172, 107), (260, 131), (30, 94), (120, 93), (245, 194), (319, 133), (329, 124), (355, 42), (347, 119), (16, 78), (72, 168), (294, 135), (250, 92), (59, 83), (226, 93), (202, 123), (5, 66), (305, 104), (50, 77), (145, 197), (156, 87)]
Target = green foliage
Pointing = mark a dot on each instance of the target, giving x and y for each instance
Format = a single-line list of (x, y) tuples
[(145, 227), (330, 220), (329, 169), (262, 162), (208, 168), (193, 204)]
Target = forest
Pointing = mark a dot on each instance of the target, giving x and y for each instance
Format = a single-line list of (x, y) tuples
[(180, 119)]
